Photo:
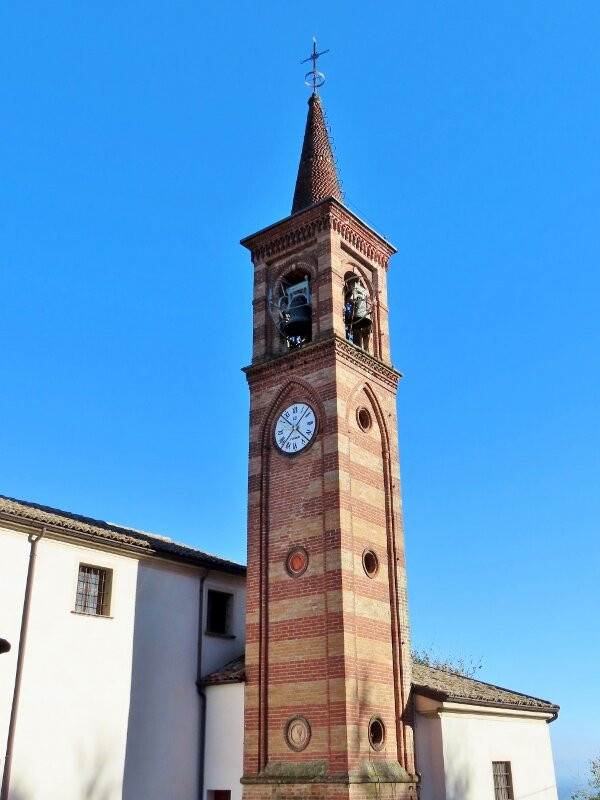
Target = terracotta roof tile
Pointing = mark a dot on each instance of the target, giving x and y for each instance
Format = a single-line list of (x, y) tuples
[(232, 672), (426, 680), (94, 528), (317, 175), (449, 686)]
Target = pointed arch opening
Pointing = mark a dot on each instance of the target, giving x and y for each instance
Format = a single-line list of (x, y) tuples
[(290, 306), (358, 310)]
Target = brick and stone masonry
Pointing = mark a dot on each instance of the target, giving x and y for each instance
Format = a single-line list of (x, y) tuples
[(328, 650)]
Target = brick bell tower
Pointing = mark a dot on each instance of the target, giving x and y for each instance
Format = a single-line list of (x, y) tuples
[(328, 664)]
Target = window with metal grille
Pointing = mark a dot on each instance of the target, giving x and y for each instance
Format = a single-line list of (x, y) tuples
[(93, 590), (219, 609), (503, 789)]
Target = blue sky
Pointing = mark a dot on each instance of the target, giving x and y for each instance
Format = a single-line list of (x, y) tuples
[(141, 141)]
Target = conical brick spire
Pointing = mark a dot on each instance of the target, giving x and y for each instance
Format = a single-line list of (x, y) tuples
[(317, 176)]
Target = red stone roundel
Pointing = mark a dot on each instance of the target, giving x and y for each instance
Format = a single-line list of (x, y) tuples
[(296, 562)]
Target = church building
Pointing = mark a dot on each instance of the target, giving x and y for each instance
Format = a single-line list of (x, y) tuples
[(144, 669)]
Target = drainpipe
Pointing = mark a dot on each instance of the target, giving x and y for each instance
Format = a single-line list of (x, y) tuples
[(201, 694), (33, 539)]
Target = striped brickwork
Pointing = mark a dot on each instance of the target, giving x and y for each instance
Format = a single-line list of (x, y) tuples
[(332, 644)]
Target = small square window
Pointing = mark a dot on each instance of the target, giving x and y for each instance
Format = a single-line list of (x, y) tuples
[(219, 608), (503, 788), (94, 586)]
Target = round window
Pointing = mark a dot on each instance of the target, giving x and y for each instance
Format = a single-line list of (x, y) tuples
[(376, 733), (296, 561), (370, 563), (363, 417)]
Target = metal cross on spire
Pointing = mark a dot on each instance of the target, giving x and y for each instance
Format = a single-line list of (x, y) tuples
[(314, 78)]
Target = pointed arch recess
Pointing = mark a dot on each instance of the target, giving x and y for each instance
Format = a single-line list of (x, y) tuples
[(266, 450), (277, 402), (400, 692)]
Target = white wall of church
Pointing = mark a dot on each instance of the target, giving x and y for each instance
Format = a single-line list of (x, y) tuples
[(455, 753), (14, 554), (164, 712), (72, 722), (429, 757), (224, 739), (109, 708)]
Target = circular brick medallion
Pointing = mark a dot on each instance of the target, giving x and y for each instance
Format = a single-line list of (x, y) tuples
[(363, 417), (370, 563), (376, 733), (296, 562), (297, 733)]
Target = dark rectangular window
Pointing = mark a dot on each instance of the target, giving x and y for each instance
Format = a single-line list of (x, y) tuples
[(93, 590), (503, 789), (219, 608)]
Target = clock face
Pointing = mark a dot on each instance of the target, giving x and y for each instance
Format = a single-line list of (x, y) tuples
[(295, 428)]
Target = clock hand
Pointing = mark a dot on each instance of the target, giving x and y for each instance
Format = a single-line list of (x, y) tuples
[(286, 441), (303, 415)]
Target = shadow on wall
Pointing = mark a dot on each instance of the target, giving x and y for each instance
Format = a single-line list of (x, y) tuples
[(161, 755), (458, 788), (93, 782)]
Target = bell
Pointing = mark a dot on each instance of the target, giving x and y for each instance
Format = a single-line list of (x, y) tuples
[(299, 320), (360, 314)]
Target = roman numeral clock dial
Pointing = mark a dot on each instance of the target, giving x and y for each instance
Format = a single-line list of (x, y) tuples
[(295, 428)]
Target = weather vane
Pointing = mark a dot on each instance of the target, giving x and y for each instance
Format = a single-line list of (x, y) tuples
[(314, 78)]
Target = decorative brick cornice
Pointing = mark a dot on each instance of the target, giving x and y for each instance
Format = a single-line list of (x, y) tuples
[(373, 366), (342, 348), (300, 228)]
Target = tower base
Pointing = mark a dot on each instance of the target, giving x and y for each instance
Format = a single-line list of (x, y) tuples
[(382, 780)]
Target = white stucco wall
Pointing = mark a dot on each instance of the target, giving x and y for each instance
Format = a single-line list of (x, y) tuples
[(14, 553), (109, 707), (455, 751), (224, 739), (429, 757), (163, 727), (72, 721)]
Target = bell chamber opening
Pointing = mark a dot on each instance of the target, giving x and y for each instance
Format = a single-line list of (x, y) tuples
[(290, 306), (357, 311)]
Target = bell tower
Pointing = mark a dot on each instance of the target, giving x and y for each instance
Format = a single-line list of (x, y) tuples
[(327, 711)]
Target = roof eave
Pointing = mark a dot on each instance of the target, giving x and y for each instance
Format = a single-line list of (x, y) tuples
[(247, 241), (221, 682), (128, 544), (443, 697)]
